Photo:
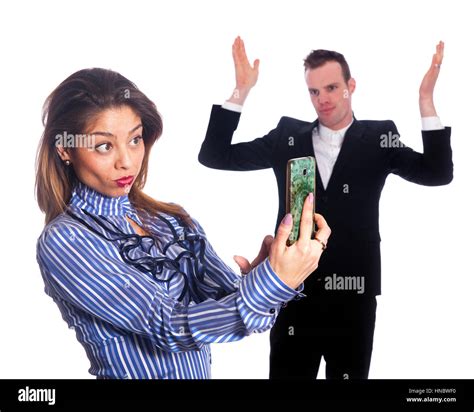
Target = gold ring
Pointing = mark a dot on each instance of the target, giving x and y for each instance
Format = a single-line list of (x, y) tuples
[(320, 241)]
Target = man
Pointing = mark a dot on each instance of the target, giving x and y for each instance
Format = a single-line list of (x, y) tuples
[(337, 318)]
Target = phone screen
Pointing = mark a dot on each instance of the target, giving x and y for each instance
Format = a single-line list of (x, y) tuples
[(300, 181)]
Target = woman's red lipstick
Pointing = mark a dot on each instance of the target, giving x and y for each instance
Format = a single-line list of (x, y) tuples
[(124, 181)]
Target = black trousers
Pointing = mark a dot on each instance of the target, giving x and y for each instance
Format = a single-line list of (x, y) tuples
[(339, 327)]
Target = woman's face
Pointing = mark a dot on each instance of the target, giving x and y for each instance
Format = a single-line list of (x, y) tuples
[(112, 158)]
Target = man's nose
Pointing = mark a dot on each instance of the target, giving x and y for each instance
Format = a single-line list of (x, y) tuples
[(323, 98)]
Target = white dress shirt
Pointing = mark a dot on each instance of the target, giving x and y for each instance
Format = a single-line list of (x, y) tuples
[(327, 145)]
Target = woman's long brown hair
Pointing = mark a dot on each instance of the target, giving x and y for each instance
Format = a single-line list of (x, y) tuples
[(69, 109)]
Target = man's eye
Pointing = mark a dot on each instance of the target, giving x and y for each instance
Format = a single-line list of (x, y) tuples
[(103, 148), (313, 92)]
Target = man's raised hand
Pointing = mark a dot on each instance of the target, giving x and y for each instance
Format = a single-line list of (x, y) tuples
[(428, 83), (246, 75)]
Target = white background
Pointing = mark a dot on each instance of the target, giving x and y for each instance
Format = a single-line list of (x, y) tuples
[(179, 54)]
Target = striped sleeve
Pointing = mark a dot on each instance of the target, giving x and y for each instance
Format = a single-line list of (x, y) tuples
[(253, 308)]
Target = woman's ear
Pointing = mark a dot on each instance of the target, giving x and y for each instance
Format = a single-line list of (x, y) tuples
[(63, 153)]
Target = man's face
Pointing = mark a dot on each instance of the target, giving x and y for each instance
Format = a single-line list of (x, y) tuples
[(330, 95)]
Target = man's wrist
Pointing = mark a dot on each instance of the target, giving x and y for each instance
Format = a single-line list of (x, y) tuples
[(239, 95), (427, 108)]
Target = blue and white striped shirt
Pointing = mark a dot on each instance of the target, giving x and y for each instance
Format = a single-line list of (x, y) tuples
[(148, 307)]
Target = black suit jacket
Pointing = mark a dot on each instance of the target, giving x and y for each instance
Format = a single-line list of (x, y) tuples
[(350, 203)]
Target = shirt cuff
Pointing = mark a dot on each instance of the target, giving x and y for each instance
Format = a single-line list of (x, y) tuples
[(233, 107), (431, 123), (263, 291)]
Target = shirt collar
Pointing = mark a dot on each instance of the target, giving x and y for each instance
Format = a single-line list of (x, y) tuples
[(333, 137), (84, 197)]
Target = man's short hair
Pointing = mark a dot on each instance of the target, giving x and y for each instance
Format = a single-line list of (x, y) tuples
[(318, 58)]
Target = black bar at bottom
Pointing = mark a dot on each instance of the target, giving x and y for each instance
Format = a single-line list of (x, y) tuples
[(402, 395)]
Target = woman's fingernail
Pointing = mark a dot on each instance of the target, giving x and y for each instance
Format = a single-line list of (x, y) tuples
[(311, 197), (287, 219)]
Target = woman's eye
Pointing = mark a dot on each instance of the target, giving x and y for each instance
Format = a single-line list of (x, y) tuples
[(103, 148), (136, 140)]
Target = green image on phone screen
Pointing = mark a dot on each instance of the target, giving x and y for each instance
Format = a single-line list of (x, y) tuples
[(301, 180)]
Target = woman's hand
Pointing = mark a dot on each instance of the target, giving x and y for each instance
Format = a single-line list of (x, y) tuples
[(245, 266), (293, 264), (429, 81), (306, 252)]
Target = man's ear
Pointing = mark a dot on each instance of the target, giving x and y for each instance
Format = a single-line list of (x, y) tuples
[(352, 85)]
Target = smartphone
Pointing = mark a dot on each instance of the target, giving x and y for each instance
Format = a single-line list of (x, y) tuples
[(300, 181)]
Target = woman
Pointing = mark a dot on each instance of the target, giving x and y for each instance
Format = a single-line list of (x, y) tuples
[(137, 278)]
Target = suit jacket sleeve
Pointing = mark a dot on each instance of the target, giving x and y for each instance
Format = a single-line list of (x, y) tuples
[(433, 167), (218, 152)]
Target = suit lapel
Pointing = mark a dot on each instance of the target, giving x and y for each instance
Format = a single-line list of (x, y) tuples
[(304, 140)]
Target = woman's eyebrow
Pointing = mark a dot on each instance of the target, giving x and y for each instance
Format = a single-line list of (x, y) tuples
[(108, 134)]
